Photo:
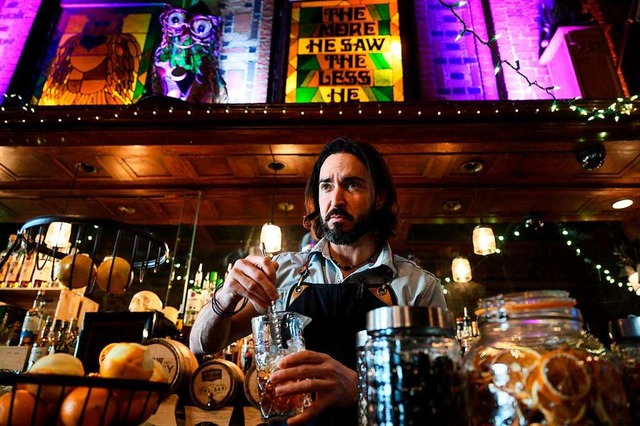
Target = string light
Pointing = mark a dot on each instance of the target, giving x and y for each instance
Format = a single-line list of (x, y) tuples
[(622, 106), (566, 233)]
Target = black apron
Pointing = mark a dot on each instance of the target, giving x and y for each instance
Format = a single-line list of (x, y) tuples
[(338, 312)]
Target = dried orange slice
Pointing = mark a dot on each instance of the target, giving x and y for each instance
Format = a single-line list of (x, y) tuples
[(512, 367), (609, 399), (567, 412), (563, 376)]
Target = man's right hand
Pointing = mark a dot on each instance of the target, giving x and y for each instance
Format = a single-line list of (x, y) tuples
[(253, 277)]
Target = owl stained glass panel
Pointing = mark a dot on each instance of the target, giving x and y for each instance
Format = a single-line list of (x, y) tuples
[(186, 64), (97, 59)]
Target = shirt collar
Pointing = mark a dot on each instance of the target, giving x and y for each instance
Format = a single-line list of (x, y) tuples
[(384, 259)]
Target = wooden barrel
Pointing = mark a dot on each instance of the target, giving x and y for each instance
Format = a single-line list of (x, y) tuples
[(216, 383), (177, 358), (251, 390)]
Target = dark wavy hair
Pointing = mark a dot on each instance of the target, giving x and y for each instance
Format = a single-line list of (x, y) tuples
[(384, 219)]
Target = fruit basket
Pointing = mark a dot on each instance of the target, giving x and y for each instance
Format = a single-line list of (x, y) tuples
[(47, 399)]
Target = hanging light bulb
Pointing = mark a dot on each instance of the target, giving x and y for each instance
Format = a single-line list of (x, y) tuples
[(58, 234), (461, 270), (271, 237), (484, 242), (633, 280)]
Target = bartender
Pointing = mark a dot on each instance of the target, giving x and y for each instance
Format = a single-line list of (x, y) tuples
[(351, 207)]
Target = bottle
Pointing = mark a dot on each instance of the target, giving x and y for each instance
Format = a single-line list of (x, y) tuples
[(41, 347), (55, 333), (412, 368), (533, 364), (28, 269), (33, 321), (71, 336), (8, 261), (16, 259)]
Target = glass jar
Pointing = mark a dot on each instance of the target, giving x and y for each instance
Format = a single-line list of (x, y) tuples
[(413, 368), (361, 368), (534, 364), (626, 346)]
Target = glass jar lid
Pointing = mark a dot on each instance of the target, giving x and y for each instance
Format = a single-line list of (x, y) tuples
[(625, 328), (425, 320), (528, 305)]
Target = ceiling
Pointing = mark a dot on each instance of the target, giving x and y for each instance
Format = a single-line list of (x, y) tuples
[(159, 165)]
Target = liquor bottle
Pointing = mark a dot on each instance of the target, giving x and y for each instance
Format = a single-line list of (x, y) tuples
[(41, 347), (5, 268), (13, 338), (71, 336), (28, 269), (55, 333), (13, 273), (33, 321)]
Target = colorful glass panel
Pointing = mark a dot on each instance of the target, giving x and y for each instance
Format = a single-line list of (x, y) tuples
[(100, 56), (344, 51)]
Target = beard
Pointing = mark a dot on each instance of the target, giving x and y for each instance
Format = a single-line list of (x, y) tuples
[(337, 235)]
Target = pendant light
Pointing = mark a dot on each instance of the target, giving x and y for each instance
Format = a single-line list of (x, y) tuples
[(58, 235), (271, 237), (271, 234), (484, 241), (461, 269)]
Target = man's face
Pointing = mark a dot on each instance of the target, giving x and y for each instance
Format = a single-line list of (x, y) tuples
[(346, 198)]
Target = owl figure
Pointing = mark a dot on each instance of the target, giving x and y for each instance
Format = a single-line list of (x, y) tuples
[(186, 62), (98, 66)]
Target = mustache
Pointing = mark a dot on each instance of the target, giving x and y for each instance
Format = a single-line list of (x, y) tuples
[(338, 211)]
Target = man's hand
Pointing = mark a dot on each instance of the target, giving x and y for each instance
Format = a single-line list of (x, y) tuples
[(303, 372), (253, 277)]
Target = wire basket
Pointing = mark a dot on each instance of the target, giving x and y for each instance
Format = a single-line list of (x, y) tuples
[(98, 238), (44, 399)]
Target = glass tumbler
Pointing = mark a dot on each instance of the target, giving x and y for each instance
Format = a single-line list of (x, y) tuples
[(274, 336)]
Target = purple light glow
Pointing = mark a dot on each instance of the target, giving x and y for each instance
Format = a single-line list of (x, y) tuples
[(17, 18)]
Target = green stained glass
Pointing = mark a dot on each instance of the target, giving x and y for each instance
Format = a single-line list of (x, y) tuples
[(383, 12), (384, 27), (310, 14), (379, 61), (307, 30), (308, 62), (303, 78), (139, 91), (304, 94), (383, 94)]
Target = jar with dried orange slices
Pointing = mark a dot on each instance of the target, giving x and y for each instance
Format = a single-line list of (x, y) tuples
[(535, 365), (625, 333)]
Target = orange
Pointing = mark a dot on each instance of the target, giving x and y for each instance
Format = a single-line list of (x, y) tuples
[(128, 361), (24, 411), (114, 280), (84, 271), (520, 362), (135, 408), (88, 406), (563, 376)]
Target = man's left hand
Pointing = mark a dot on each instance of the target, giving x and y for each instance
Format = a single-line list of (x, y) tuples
[(334, 384)]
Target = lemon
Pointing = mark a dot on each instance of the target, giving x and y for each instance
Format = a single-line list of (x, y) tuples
[(84, 271), (114, 275), (127, 361)]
